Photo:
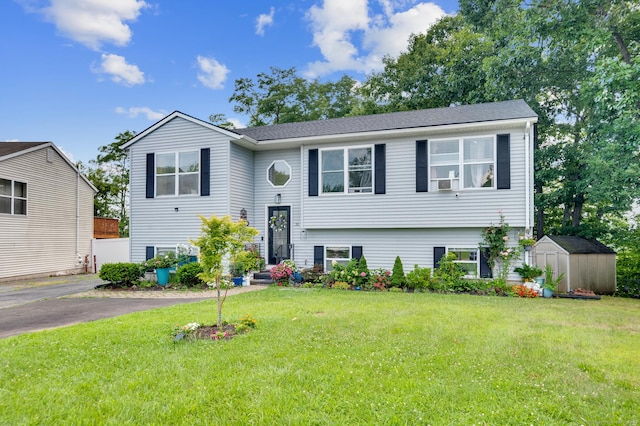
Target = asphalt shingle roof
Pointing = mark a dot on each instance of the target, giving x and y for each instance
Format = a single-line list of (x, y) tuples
[(507, 110), (580, 245), (7, 148)]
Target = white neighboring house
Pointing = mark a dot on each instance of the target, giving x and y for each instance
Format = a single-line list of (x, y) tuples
[(46, 212), (416, 184)]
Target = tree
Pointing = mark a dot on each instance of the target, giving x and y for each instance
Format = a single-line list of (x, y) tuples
[(281, 96), (220, 239), (573, 62), (440, 68), (109, 173)]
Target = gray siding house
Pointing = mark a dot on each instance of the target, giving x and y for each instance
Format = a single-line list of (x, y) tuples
[(414, 184), (46, 212)]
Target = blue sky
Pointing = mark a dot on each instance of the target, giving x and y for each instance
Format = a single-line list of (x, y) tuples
[(78, 72)]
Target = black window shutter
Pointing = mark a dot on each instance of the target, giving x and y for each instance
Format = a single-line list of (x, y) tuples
[(151, 174), (503, 157), (205, 172), (438, 253), (150, 252), (313, 172), (485, 269), (422, 166), (381, 169), (318, 256), (356, 252)]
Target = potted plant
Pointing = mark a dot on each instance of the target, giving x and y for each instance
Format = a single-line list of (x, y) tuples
[(528, 273), (550, 283), (162, 264)]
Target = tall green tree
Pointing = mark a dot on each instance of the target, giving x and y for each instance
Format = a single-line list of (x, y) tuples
[(441, 68), (572, 61), (109, 173)]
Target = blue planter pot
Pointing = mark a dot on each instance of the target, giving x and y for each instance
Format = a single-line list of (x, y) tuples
[(162, 274), (237, 281), (547, 292)]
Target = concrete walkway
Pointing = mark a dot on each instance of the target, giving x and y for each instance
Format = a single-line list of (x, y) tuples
[(28, 306)]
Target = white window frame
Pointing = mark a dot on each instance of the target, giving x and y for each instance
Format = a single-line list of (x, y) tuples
[(177, 174), (13, 198), (345, 171), (458, 179), (328, 261), (290, 173), (476, 262)]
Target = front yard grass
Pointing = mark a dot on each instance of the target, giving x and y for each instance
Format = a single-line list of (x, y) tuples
[(337, 357)]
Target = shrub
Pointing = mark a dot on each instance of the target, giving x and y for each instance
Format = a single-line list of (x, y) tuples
[(470, 285), (395, 290), (311, 275), (340, 285), (628, 274), (523, 291), (448, 273), (363, 273), (419, 278), (379, 279), (187, 275), (397, 274), (122, 274)]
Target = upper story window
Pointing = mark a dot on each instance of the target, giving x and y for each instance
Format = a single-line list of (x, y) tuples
[(177, 173), (347, 170), (279, 173), (462, 163), (13, 197)]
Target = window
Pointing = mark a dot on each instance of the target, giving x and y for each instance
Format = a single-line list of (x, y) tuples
[(467, 160), (347, 170), (341, 255), (467, 258), (177, 173), (279, 173), (13, 197)]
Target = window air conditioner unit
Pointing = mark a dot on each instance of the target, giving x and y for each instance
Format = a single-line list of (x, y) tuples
[(445, 184)]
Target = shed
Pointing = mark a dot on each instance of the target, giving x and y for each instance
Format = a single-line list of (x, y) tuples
[(586, 263)]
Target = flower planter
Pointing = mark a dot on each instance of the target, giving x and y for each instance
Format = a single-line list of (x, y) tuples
[(237, 281), (547, 292), (162, 275)]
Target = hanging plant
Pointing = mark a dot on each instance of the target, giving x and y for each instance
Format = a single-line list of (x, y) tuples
[(278, 222)]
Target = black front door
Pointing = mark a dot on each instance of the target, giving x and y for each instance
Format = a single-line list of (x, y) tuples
[(279, 235)]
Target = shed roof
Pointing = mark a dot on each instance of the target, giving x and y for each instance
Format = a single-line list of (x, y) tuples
[(495, 111), (580, 245), (7, 148)]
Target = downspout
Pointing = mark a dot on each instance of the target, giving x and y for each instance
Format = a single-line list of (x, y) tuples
[(527, 184), (78, 216), (302, 189)]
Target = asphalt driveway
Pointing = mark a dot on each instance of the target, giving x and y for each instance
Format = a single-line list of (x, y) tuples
[(28, 306)]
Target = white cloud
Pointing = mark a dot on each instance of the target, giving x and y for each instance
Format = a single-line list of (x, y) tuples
[(213, 74), (121, 72), (337, 23), (93, 22), (264, 20), (133, 112)]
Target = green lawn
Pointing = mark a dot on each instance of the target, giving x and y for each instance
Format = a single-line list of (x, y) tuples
[(337, 357)]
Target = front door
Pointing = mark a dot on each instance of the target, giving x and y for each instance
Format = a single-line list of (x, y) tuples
[(279, 234)]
